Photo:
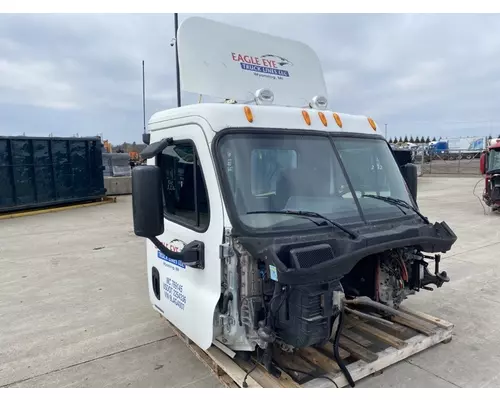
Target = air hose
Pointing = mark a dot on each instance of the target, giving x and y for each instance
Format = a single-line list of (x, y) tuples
[(336, 354)]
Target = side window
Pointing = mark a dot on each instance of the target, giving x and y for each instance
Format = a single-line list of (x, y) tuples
[(266, 165), (185, 194)]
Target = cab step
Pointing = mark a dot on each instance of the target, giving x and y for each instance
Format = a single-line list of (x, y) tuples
[(367, 347)]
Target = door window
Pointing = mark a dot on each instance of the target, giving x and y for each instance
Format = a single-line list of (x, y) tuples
[(185, 194)]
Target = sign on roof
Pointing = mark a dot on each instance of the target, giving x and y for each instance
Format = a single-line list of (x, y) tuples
[(227, 62)]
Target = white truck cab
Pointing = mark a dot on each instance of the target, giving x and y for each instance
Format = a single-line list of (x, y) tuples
[(262, 213)]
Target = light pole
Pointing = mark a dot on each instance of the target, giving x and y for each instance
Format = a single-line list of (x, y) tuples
[(143, 100), (176, 27)]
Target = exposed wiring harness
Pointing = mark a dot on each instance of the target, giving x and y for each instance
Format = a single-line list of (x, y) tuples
[(404, 270), (244, 384)]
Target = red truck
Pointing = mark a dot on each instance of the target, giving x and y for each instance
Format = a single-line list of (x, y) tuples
[(489, 165)]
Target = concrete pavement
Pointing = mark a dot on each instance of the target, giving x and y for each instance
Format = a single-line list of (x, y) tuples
[(74, 308)]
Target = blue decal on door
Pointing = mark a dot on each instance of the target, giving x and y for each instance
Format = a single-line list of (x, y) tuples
[(175, 245), (177, 263)]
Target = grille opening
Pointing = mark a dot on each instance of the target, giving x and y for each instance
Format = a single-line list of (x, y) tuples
[(308, 257)]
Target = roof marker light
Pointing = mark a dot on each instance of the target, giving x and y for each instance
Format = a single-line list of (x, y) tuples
[(306, 116), (323, 118), (372, 124), (319, 102), (248, 113), (337, 119), (264, 96)]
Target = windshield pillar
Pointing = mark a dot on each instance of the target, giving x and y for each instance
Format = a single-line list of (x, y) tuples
[(348, 181)]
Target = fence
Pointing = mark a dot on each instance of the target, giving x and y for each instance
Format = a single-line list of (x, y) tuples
[(460, 162)]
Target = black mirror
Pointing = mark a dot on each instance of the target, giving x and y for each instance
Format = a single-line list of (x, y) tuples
[(410, 174), (147, 201), (402, 156)]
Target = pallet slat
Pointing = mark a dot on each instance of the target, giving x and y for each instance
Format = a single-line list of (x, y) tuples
[(386, 358), (328, 349), (357, 351), (361, 340), (411, 323), (405, 323), (292, 363), (231, 368), (381, 335), (223, 361), (317, 358), (434, 320)]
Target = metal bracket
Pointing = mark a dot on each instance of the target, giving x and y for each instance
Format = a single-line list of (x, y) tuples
[(225, 251)]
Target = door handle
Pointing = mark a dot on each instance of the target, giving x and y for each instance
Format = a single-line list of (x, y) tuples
[(193, 255)]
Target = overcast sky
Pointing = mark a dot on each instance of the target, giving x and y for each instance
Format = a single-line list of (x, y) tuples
[(436, 75)]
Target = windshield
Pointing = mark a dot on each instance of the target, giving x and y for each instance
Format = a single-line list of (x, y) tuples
[(269, 173), (494, 160)]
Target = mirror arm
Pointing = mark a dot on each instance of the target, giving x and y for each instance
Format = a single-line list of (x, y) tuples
[(156, 148), (169, 253), (186, 255)]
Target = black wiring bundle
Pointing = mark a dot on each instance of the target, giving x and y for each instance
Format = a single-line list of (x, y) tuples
[(474, 193), (336, 354)]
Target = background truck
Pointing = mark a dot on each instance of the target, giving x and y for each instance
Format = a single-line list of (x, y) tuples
[(490, 167), (457, 148)]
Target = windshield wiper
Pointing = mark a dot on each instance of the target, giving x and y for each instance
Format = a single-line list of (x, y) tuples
[(309, 214), (399, 203)]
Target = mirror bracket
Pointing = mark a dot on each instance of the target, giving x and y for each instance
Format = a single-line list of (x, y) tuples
[(156, 148)]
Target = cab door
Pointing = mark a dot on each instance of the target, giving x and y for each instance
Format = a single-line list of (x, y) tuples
[(187, 296)]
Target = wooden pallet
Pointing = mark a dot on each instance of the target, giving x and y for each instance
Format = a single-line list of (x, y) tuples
[(366, 347)]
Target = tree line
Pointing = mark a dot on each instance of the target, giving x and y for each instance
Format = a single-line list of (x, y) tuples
[(417, 140), (412, 140)]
